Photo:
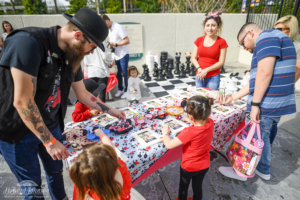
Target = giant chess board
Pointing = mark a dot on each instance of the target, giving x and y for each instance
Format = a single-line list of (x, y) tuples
[(163, 88)]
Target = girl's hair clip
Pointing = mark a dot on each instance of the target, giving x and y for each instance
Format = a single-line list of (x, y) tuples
[(213, 14)]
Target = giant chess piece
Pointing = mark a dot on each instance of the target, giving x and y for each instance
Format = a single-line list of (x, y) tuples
[(155, 70), (188, 63), (163, 57), (161, 76), (147, 76), (182, 71), (144, 70), (169, 74), (177, 62), (171, 63), (193, 71)]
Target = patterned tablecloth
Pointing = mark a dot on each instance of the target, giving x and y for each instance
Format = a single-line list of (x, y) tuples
[(140, 159)]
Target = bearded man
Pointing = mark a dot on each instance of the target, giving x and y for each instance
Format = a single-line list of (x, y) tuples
[(37, 68)]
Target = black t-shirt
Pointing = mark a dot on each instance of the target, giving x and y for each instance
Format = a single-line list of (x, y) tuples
[(22, 52)]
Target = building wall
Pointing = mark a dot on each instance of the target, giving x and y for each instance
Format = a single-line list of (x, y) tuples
[(161, 32)]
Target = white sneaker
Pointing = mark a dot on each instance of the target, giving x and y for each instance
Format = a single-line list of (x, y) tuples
[(118, 93), (230, 173), (124, 96), (266, 177)]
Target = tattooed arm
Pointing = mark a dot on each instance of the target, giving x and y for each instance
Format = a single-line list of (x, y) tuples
[(88, 99), (24, 91)]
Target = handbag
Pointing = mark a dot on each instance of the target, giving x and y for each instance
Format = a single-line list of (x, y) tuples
[(245, 151)]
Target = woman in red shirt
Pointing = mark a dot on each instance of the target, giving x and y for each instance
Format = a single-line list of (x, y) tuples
[(209, 53), (196, 141), (98, 174)]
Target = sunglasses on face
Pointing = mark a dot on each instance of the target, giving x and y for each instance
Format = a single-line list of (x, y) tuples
[(242, 41), (283, 29), (90, 43)]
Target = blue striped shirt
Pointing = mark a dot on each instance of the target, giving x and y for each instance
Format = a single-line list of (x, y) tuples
[(279, 98)]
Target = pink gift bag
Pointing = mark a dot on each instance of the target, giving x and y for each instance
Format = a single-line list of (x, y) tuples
[(245, 151)]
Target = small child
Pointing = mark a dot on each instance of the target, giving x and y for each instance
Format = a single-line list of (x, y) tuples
[(81, 111), (133, 91), (196, 141), (98, 174)]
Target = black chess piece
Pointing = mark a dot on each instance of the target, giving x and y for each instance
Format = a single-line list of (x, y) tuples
[(155, 70), (169, 74), (177, 62), (188, 63), (161, 76), (193, 71), (147, 76), (163, 57), (171, 63), (182, 73), (144, 69)]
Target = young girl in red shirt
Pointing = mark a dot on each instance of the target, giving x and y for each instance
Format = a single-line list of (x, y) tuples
[(98, 174), (196, 141)]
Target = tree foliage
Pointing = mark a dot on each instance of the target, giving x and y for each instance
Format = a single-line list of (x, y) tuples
[(35, 7), (75, 5), (113, 6), (148, 6)]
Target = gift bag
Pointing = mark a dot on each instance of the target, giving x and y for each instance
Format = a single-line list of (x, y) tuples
[(245, 150)]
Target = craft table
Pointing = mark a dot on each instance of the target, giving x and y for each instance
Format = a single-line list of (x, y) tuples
[(143, 162)]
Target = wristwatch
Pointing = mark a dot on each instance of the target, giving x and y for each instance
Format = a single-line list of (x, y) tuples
[(255, 104)]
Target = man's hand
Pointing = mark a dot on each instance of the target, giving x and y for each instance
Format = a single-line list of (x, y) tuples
[(254, 114), (57, 151), (117, 113), (224, 100), (111, 44)]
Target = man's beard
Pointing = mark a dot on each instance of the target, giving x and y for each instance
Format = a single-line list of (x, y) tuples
[(74, 54)]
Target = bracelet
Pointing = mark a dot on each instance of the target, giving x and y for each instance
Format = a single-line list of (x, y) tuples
[(51, 142), (255, 104), (231, 98)]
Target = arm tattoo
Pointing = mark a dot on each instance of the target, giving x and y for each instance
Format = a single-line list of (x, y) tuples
[(93, 99), (33, 115), (34, 86)]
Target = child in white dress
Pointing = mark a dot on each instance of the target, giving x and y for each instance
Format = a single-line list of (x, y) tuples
[(133, 91)]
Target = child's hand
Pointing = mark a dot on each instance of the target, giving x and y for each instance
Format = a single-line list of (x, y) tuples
[(94, 112), (98, 132), (133, 91), (166, 130), (185, 118)]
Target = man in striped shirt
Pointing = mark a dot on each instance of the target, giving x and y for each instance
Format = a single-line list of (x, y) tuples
[(271, 87)]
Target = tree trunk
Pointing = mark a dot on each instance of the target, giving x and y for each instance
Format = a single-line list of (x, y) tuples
[(97, 6), (131, 5), (55, 4), (13, 6)]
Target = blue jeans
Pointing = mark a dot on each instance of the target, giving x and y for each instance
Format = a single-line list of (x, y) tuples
[(23, 161), (268, 131), (212, 82), (122, 65)]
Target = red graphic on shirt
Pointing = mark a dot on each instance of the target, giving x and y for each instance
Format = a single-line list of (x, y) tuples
[(54, 99)]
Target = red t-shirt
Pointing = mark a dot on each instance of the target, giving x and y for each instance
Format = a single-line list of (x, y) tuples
[(208, 56), (196, 145), (126, 188), (81, 112)]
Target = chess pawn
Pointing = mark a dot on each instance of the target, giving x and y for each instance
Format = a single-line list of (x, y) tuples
[(193, 71), (177, 62), (143, 74), (182, 71), (161, 76), (147, 76), (171, 63), (188, 62), (155, 70), (169, 74)]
